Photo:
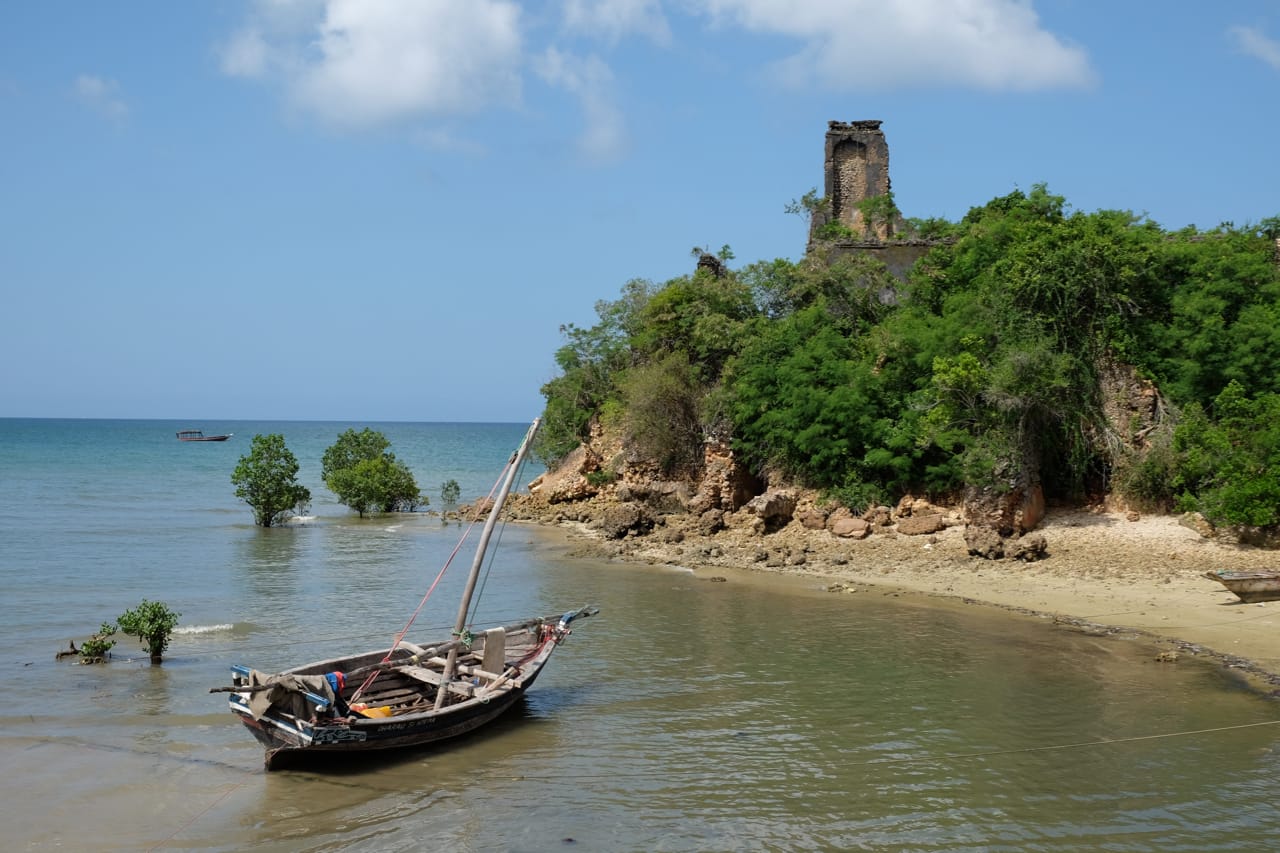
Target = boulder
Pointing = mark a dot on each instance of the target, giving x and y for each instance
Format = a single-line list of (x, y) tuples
[(1027, 548), (1010, 512), (1197, 522), (983, 541), (619, 520), (919, 525), (850, 528), (774, 508), (878, 516), (710, 522), (812, 518)]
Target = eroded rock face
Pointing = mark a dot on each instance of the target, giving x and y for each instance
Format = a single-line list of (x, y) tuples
[(569, 483), (661, 495), (1130, 403), (726, 484), (1010, 513)]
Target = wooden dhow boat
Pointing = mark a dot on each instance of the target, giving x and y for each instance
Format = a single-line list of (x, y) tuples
[(1250, 587), (198, 435), (406, 695)]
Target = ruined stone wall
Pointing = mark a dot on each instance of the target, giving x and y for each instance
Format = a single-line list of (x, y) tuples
[(856, 167)]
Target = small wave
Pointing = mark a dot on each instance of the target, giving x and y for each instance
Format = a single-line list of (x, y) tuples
[(204, 629)]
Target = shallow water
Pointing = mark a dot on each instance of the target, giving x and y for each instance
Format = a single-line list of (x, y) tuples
[(757, 714)]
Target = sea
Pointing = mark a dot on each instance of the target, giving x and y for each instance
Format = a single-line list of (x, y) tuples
[(750, 712)]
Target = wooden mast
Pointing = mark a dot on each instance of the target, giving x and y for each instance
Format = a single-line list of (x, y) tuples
[(464, 608)]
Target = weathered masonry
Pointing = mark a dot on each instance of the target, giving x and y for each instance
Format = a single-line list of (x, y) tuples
[(856, 169)]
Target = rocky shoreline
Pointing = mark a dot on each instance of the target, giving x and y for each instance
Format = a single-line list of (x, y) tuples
[(1092, 570)]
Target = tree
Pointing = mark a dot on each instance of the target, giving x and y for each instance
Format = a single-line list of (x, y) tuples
[(152, 622), (365, 475), (589, 362), (1228, 467), (267, 480), (450, 492), (97, 648)]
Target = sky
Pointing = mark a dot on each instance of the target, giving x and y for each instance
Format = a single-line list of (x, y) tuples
[(387, 210)]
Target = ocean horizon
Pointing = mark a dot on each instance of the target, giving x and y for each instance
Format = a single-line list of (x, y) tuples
[(762, 713)]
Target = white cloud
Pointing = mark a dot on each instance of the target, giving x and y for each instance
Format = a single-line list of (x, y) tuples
[(364, 62), (246, 54), (101, 96), (1254, 43), (361, 63), (614, 19), (590, 80), (889, 44)]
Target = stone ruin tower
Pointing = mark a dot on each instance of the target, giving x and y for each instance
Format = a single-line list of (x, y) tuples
[(856, 168)]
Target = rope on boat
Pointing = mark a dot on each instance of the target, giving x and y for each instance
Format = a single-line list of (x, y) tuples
[(475, 517)]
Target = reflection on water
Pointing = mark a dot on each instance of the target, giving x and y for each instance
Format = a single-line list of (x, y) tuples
[(267, 560), (757, 714)]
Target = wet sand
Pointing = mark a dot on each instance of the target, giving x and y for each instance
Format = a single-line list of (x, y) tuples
[(1102, 573)]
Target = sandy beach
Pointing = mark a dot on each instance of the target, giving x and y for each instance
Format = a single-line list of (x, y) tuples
[(1103, 573)]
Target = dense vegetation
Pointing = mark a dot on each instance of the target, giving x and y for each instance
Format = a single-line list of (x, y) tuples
[(267, 480), (983, 369), (366, 476)]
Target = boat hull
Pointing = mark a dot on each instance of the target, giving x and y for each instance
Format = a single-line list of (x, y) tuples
[(291, 740), (1250, 587), (286, 746)]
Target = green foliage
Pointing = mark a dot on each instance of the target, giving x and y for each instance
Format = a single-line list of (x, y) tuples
[(1146, 480), (450, 493), (1220, 321), (1228, 466), (809, 206), (662, 412), (603, 477), (816, 211), (351, 448), (933, 228), (880, 213), (97, 648), (152, 622), (366, 476), (266, 479), (700, 316), (983, 368), (589, 362), (799, 398)]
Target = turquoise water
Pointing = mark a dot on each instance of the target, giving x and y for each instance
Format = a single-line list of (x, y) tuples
[(758, 714), (126, 510)]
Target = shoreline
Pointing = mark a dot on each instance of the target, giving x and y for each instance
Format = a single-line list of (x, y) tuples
[(1104, 573)]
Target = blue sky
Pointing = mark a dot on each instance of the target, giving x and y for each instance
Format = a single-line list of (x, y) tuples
[(385, 209)]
